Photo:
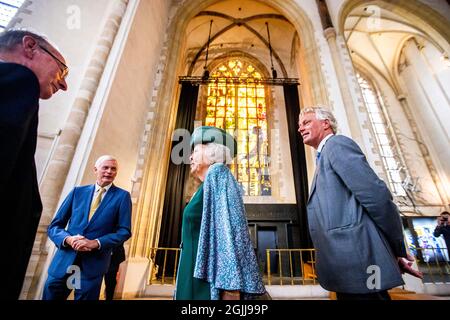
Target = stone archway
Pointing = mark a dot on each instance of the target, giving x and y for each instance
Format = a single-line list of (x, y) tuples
[(150, 206), (154, 165), (400, 23), (424, 17)]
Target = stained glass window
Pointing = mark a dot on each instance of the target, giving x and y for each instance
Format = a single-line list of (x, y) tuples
[(8, 9), (241, 110), (382, 135)]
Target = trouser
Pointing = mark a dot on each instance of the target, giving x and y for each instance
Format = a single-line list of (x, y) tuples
[(59, 289), (111, 281)]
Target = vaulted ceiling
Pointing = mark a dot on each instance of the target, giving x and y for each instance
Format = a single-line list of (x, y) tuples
[(375, 36), (240, 26)]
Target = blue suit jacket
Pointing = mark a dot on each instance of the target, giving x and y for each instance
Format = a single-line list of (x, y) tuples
[(110, 224), (354, 223)]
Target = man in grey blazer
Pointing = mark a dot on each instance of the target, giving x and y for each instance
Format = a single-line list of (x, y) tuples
[(354, 224)]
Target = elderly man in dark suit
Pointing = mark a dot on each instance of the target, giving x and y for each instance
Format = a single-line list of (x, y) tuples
[(354, 224), (90, 223), (30, 68)]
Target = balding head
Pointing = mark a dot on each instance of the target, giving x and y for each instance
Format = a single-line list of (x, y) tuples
[(35, 52)]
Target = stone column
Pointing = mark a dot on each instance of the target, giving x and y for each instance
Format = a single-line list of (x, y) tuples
[(424, 149), (342, 61), (148, 190), (430, 110), (353, 121), (59, 165)]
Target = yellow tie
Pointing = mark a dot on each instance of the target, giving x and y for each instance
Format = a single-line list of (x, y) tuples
[(96, 202)]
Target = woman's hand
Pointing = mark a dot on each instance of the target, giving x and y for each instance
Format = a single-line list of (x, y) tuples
[(230, 295)]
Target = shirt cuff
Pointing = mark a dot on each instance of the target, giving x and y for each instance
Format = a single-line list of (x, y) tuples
[(64, 244), (99, 244)]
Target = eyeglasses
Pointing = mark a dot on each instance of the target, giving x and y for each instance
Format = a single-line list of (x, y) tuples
[(64, 70)]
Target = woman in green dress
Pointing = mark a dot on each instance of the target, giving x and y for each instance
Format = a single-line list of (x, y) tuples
[(188, 287), (217, 258)]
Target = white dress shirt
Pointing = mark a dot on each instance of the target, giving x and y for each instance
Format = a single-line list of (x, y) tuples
[(322, 143)]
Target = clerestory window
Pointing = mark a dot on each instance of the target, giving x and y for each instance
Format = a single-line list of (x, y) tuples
[(382, 134)]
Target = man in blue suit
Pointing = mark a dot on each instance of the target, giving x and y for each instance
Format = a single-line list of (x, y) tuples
[(354, 224), (98, 219)]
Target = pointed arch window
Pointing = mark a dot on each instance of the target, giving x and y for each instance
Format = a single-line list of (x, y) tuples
[(241, 110), (8, 9), (383, 137)]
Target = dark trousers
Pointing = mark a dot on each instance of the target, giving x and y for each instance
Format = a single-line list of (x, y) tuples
[(58, 289), (381, 295), (117, 256), (110, 281)]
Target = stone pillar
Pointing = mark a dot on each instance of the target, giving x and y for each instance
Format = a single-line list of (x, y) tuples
[(59, 165), (424, 150), (353, 121), (149, 187), (429, 107), (338, 50)]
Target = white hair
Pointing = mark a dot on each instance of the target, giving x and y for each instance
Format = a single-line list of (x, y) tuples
[(102, 159), (218, 153), (322, 113)]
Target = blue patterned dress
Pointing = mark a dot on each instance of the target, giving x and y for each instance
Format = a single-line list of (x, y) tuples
[(225, 257)]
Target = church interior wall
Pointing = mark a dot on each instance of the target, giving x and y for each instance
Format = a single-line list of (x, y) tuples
[(426, 95), (422, 95), (176, 47), (438, 6), (140, 106), (426, 196), (76, 25), (429, 16), (121, 127)]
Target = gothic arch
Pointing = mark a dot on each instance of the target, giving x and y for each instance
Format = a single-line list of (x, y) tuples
[(215, 61), (239, 22), (291, 11), (173, 63), (425, 18)]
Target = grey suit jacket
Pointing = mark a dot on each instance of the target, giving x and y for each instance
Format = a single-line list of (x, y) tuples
[(353, 222)]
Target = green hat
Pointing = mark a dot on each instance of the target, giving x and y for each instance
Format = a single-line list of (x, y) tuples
[(207, 134)]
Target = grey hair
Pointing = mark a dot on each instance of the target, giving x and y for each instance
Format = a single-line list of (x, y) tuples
[(102, 159), (217, 153), (9, 39), (322, 113)]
